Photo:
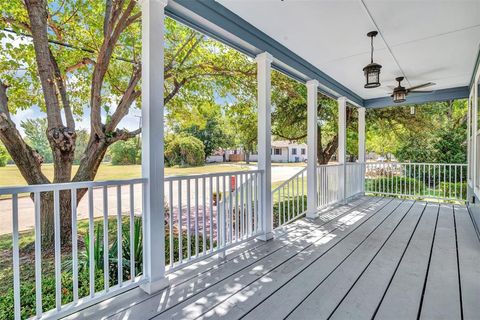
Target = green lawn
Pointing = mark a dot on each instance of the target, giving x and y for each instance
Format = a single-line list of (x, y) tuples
[(10, 176)]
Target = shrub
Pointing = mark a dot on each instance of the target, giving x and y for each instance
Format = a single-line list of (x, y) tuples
[(184, 150), (395, 184), (454, 190), (126, 152), (3, 156)]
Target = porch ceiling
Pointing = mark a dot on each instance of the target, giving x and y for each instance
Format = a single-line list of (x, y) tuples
[(422, 40)]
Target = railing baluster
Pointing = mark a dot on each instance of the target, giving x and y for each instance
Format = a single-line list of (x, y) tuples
[(461, 182), (58, 259), (240, 208), (196, 219), (119, 236), (132, 231), (218, 211), (230, 210), (224, 213), (188, 217), (170, 222), (180, 223), (38, 253), (91, 242), (106, 276), (211, 213), (237, 215), (16, 257), (204, 230)]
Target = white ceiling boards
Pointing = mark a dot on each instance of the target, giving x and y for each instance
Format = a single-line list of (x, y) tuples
[(422, 40)]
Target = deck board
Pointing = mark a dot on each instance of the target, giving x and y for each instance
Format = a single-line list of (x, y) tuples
[(442, 293), (331, 291), (288, 283), (306, 249), (372, 258), (469, 263), (403, 296), (250, 266), (364, 297)]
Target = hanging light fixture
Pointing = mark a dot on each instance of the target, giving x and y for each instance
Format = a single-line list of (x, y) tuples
[(372, 70)]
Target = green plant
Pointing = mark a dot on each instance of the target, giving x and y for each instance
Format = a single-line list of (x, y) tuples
[(3, 156), (280, 209), (126, 152), (454, 190), (184, 150), (396, 185)]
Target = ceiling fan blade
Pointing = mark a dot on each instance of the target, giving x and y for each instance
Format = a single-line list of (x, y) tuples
[(421, 91), (428, 84)]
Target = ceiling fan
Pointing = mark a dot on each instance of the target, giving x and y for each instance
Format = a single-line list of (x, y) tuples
[(400, 93)]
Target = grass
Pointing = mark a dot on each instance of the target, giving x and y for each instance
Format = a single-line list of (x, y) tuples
[(11, 175)]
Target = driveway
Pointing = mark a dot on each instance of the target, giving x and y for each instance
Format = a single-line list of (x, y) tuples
[(26, 208)]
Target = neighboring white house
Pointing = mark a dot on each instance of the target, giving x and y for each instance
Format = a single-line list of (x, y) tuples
[(282, 151), (286, 151)]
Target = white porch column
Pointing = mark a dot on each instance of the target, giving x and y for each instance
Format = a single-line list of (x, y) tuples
[(342, 134), (312, 123), (152, 143), (361, 144), (264, 61)]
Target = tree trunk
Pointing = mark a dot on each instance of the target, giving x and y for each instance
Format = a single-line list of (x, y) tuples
[(247, 157), (47, 218)]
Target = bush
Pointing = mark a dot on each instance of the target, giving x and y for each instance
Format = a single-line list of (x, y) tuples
[(184, 151), (3, 156), (126, 152), (280, 209), (395, 184), (454, 190)]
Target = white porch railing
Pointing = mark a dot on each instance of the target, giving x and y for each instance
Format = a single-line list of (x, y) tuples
[(290, 199), (209, 213), (105, 253), (328, 185), (417, 180), (354, 178)]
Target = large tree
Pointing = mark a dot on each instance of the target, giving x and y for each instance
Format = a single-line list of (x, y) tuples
[(289, 116), (79, 58)]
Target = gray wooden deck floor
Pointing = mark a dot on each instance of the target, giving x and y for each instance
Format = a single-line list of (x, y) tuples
[(375, 258)]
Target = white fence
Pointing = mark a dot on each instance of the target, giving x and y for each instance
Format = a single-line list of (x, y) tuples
[(289, 199), (354, 178), (328, 184), (441, 181), (103, 255), (208, 213)]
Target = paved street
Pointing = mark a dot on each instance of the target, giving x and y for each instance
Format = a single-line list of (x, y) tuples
[(26, 209)]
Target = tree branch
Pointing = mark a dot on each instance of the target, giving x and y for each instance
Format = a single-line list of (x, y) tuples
[(61, 86), (27, 160), (113, 31), (84, 62), (37, 13), (128, 98)]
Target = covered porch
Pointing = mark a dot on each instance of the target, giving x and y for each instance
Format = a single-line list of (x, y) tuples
[(373, 258), (341, 240)]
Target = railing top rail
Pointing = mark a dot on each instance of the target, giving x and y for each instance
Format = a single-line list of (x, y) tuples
[(68, 185), (289, 179), (420, 163), (329, 165), (207, 175)]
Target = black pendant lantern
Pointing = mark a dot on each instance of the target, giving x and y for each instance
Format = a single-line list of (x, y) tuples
[(372, 70), (399, 93)]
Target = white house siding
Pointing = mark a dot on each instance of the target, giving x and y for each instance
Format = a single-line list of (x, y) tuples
[(286, 154)]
